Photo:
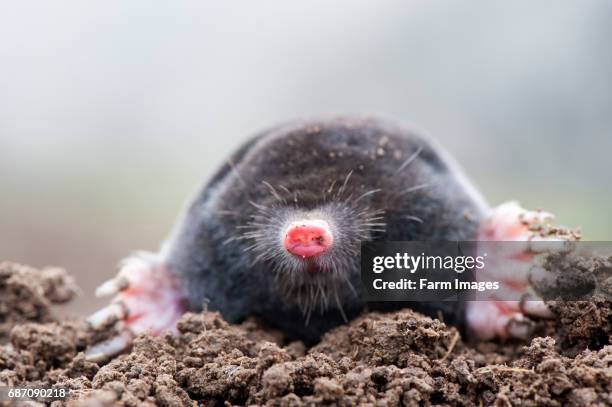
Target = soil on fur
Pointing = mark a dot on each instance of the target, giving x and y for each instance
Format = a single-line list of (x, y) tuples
[(400, 358)]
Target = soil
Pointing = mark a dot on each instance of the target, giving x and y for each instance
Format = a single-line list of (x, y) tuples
[(26, 294), (400, 358)]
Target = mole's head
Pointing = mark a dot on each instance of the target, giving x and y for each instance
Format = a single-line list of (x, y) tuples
[(305, 196), (308, 233)]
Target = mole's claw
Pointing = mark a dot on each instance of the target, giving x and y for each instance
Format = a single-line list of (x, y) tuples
[(487, 320), (537, 308), (539, 276), (112, 286), (531, 217), (111, 313), (519, 327), (148, 299), (546, 244), (110, 347)]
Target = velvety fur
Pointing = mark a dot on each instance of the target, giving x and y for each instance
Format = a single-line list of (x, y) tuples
[(372, 179)]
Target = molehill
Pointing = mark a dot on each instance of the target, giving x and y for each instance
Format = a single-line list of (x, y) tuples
[(401, 358)]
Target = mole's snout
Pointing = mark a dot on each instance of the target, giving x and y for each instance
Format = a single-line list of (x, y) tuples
[(308, 238)]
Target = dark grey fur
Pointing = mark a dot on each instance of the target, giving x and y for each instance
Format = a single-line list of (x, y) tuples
[(371, 178)]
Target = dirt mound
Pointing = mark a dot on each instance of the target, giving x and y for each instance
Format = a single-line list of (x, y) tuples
[(587, 321), (26, 294), (401, 358)]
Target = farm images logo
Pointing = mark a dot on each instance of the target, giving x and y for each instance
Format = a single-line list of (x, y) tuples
[(434, 271)]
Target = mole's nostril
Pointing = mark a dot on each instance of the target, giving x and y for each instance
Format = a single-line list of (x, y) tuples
[(308, 238)]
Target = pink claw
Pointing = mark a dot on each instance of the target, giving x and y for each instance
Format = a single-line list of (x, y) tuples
[(147, 298), (494, 317)]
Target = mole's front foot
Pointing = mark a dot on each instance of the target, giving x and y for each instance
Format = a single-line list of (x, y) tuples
[(496, 316), (147, 298)]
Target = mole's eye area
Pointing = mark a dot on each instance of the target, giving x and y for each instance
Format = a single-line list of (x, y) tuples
[(308, 238)]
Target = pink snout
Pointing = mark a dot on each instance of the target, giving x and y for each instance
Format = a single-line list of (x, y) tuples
[(308, 238)]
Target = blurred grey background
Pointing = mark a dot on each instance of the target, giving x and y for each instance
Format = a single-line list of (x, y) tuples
[(112, 113)]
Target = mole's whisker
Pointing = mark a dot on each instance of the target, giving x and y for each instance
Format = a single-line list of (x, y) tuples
[(339, 305), (284, 188), (410, 159), (349, 284), (254, 225), (273, 191), (258, 206), (346, 180), (252, 247), (229, 240), (323, 296), (414, 218), (331, 187), (374, 218), (374, 224), (266, 255), (371, 192), (231, 164), (414, 188)]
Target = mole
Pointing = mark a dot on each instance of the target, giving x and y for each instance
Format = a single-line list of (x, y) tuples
[(275, 233)]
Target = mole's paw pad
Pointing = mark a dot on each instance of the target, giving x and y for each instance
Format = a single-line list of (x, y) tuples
[(504, 313), (146, 298)]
